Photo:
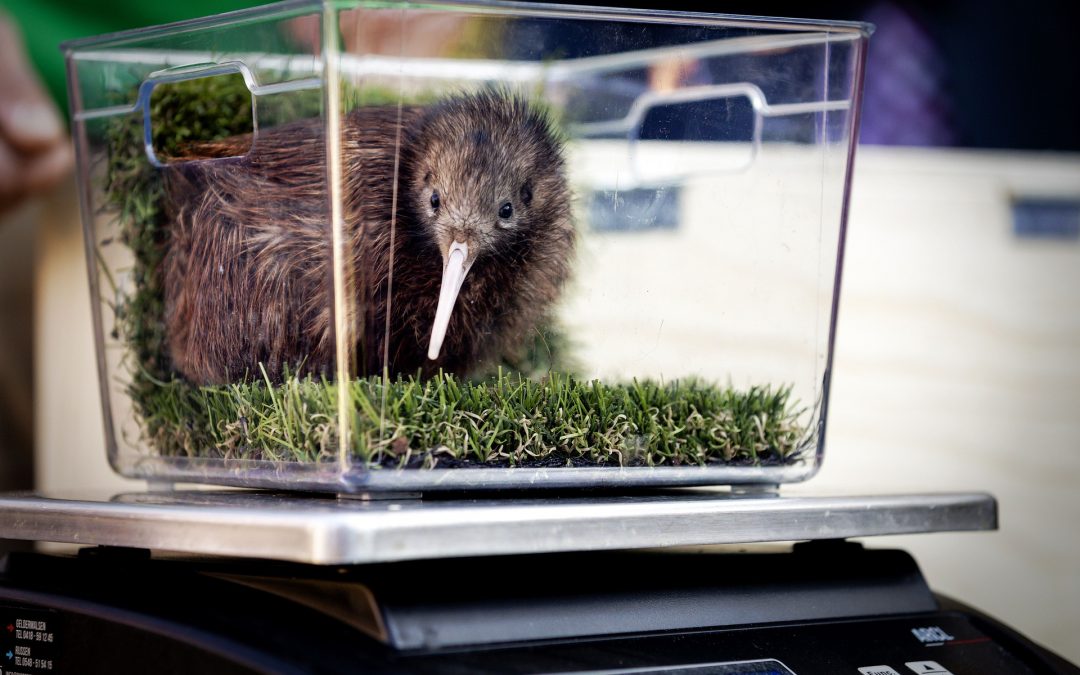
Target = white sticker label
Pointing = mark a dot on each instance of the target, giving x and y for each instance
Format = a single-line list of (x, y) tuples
[(927, 668), (877, 670), (931, 634)]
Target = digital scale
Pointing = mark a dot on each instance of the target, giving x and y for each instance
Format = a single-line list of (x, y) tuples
[(242, 581)]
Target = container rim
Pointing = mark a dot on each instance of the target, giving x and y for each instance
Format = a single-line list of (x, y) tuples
[(863, 29)]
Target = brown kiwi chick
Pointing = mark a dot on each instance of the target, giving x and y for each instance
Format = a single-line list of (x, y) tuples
[(472, 258)]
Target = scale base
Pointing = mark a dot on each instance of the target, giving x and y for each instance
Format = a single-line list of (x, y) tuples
[(821, 607)]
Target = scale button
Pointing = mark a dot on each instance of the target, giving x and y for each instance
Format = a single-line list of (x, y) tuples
[(927, 668), (877, 670)]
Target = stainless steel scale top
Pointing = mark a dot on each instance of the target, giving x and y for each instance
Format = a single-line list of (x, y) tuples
[(327, 530)]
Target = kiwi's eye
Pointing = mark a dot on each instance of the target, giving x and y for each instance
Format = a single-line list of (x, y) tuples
[(506, 210), (435, 200)]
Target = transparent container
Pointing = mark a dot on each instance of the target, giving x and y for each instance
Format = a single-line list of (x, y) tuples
[(353, 246)]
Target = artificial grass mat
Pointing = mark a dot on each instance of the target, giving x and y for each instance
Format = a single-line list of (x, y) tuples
[(505, 420)]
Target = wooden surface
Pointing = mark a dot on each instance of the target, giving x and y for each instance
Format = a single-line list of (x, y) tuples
[(957, 368)]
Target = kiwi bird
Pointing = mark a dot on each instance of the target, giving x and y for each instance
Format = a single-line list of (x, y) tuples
[(458, 231)]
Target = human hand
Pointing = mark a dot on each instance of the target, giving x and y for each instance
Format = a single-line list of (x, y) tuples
[(35, 152), (382, 32), (673, 73)]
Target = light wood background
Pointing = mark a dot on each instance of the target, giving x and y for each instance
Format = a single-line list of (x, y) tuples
[(957, 368)]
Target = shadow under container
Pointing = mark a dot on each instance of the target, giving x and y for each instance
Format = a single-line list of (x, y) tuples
[(259, 194)]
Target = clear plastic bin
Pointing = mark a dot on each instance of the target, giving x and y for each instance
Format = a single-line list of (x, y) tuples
[(352, 246)]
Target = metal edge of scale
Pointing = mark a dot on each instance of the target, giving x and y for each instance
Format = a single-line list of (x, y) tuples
[(328, 531)]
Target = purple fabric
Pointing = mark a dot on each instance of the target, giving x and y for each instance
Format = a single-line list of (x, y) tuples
[(905, 100)]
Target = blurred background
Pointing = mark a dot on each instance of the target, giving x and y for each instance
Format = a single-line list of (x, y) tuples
[(957, 362)]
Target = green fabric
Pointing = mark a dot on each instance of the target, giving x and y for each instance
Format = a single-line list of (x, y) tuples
[(47, 23)]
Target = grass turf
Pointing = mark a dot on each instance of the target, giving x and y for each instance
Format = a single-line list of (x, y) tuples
[(531, 411), (505, 420)]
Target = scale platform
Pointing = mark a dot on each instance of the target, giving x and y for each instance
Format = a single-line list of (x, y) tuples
[(344, 531), (285, 583)]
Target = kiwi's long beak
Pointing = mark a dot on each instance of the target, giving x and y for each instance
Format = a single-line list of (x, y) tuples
[(454, 270)]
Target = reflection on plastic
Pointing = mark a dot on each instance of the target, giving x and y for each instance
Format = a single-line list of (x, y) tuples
[(635, 210)]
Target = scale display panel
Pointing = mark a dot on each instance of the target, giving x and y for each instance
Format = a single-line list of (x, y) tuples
[(759, 667)]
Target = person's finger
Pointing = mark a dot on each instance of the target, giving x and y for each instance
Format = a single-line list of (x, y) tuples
[(25, 175), (11, 185), (28, 119), (30, 126), (45, 170)]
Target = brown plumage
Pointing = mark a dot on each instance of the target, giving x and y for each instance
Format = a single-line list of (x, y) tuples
[(246, 275)]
